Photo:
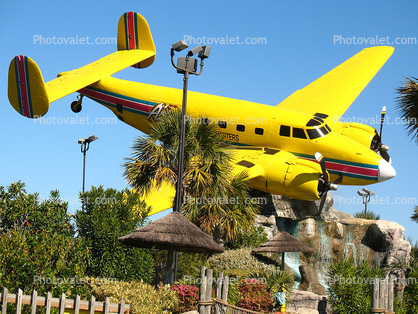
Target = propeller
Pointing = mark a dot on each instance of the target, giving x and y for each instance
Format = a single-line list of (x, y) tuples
[(383, 149), (324, 184)]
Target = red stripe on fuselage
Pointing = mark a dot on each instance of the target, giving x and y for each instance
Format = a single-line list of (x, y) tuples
[(352, 169), (116, 100)]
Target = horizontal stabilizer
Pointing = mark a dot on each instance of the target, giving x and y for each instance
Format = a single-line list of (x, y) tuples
[(26, 88), (77, 79)]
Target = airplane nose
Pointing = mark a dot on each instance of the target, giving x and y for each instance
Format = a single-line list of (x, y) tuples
[(386, 171)]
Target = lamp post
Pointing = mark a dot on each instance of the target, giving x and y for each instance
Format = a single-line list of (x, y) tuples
[(186, 66), (365, 193), (85, 145)]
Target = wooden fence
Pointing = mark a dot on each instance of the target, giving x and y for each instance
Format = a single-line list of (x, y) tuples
[(382, 294), (221, 300), (65, 305)]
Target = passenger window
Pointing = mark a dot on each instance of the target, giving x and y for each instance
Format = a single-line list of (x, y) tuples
[(284, 130), (299, 133), (259, 131), (222, 124), (240, 127)]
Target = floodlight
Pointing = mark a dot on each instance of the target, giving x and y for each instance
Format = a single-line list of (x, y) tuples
[(92, 138), (367, 191), (180, 45), (361, 193), (81, 141), (191, 65), (195, 50), (204, 53)]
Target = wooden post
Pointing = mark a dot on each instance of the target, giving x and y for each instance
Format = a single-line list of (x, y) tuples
[(400, 285), (219, 284), (390, 295), (202, 292), (62, 304), (92, 304), (209, 278), (19, 301), (4, 301), (382, 294), (375, 294), (33, 302), (225, 288), (48, 303)]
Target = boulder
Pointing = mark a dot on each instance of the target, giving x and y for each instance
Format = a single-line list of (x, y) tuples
[(304, 302)]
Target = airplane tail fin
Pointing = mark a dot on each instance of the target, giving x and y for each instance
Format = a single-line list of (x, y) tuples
[(26, 88), (134, 33), (30, 95)]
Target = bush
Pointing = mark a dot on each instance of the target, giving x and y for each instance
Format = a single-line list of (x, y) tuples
[(238, 262), (142, 297), (350, 287), (254, 296), (253, 239), (37, 248), (106, 216), (187, 296)]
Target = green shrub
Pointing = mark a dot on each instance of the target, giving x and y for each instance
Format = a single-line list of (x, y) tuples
[(142, 297), (350, 287), (253, 239), (106, 216), (37, 248), (238, 262)]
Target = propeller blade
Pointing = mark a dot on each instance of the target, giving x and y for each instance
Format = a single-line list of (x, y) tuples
[(322, 203), (321, 161), (339, 179), (382, 120), (385, 155)]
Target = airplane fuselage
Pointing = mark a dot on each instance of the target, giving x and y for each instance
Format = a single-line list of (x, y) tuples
[(247, 124)]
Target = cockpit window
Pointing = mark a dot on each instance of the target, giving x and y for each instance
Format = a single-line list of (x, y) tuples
[(318, 132), (299, 133), (315, 122)]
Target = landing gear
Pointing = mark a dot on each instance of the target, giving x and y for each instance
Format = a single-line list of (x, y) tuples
[(76, 105)]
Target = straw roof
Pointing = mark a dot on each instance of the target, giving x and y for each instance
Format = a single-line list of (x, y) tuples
[(283, 242), (172, 231)]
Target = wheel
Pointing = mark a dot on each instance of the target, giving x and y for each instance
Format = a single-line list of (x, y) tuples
[(76, 106)]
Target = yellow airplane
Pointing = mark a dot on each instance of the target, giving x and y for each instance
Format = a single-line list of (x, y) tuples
[(298, 148)]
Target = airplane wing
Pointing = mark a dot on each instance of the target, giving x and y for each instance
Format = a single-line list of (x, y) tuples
[(334, 92), (159, 199)]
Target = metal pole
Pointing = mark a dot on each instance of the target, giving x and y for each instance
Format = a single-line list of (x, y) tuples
[(84, 167), (179, 191)]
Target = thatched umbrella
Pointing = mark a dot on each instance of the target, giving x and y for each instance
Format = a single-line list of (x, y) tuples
[(172, 232), (283, 242)]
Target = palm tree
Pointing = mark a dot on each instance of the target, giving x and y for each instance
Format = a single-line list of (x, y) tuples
[(407, 106), (414, 216), (210, 192)]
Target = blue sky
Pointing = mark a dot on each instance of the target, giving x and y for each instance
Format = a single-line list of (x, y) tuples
[(299, 42)]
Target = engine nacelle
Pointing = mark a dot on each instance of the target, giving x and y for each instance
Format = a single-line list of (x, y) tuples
[(294, 178), (364, 134)]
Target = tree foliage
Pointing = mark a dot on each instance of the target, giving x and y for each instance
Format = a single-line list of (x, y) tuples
[(214, 198), (350, 286), (407, 106), (105, 216), (37, 248)]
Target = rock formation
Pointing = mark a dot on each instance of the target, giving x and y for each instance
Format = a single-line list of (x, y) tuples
[(334, 236)]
